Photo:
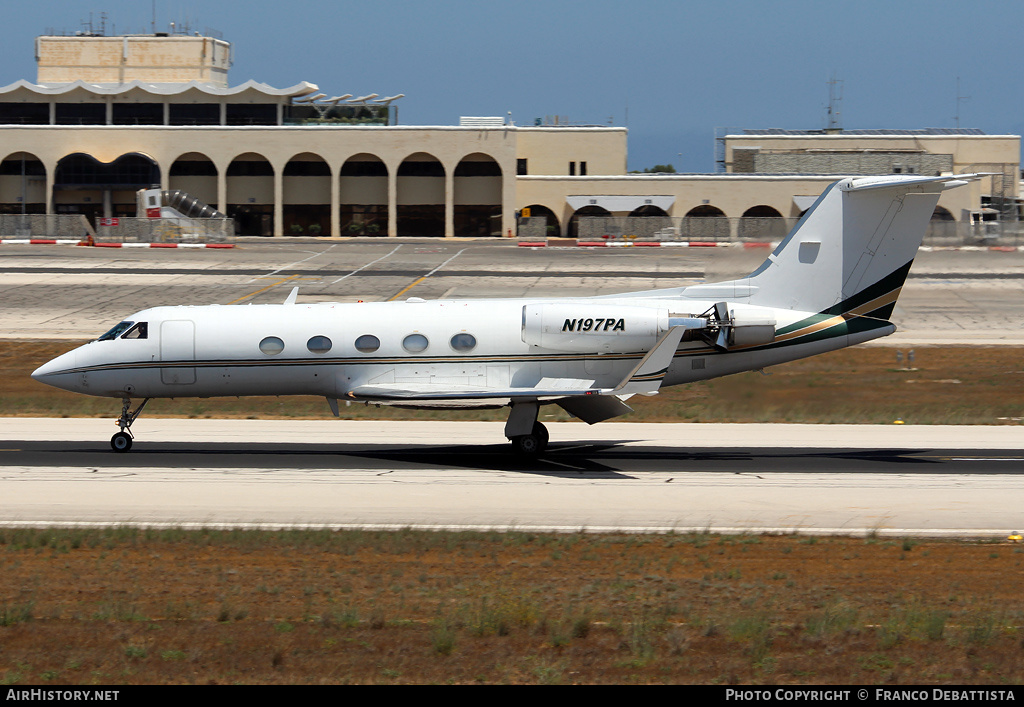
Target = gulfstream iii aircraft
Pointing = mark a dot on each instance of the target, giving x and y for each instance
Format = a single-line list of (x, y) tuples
[(832, 282)]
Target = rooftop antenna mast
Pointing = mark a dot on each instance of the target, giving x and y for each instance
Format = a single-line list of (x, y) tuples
[(833, 114), (959, 99)]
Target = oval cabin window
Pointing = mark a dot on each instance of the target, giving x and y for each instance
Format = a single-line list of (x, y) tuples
[(463, 342), (271, 346), (319, 345), (367, 343), (414, 343)]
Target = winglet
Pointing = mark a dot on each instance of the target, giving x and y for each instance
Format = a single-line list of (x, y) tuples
[(647, 376)]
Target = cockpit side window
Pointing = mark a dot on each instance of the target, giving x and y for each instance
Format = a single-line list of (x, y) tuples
[(139, 331), (116, 331)]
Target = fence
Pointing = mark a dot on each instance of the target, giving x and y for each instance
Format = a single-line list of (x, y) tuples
[(738, 230), (167, 230), (45, 226), (127, 230)]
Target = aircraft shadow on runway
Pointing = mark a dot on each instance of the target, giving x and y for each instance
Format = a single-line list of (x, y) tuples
[(602, 459), (614, 458)]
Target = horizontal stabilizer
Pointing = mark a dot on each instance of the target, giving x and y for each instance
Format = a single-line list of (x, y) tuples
[(890, 181)]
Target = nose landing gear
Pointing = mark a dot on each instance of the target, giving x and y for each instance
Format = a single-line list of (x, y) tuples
[(122, 441)]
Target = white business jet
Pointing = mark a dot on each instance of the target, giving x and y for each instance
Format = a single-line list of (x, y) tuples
[(831, 283)]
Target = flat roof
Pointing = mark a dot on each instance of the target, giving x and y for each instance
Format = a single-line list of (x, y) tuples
[(879, 131), (158, 89)]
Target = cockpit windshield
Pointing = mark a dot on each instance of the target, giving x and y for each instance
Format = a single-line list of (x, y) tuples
[(116, 331), (139, 331)]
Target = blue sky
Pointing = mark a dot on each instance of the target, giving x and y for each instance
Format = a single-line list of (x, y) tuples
[(672, 71)]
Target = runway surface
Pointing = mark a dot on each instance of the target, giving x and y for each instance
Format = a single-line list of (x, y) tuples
[(621, 476), (898, 480)]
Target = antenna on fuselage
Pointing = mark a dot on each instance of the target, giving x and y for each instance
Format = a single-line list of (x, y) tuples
[(292, 296)]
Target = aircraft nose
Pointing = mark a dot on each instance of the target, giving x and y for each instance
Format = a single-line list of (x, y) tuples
[(46, 369), (48, 372)]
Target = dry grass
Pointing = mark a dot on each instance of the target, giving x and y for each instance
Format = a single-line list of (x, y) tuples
[(944, 385), (124, 606)]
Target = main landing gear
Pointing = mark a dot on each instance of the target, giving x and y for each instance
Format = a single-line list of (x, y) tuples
[(122, 441), (532, 444), (528, 436)]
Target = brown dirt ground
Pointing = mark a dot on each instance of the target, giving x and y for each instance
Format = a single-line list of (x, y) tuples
[(132, 607), (122, 606)]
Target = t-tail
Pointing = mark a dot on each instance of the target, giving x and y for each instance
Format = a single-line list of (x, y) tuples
[(850, 253)]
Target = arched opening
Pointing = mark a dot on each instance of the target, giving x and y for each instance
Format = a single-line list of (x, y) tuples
[(653, 222), (477, 198), (942, 225), (705, 222), (762, 221), (589, 211), (84, 185), (648, 211), (364, 196), (540, 223), (195, 174), (250, 194), (762, 211), (705, 211), (306, 196), (421, 196), (22, 184)]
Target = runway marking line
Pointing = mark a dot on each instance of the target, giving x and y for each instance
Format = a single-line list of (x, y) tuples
[(408, 287), (424, 277), (264, 289), (297, 262), (372, 262)]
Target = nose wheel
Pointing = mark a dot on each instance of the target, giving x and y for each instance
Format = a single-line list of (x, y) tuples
[(122, 441)]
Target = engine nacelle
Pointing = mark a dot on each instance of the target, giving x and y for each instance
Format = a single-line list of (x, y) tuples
[(748, 326), (593, 328)]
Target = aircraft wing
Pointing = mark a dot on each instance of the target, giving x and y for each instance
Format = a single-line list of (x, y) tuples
[(442, 391), (646, 377)]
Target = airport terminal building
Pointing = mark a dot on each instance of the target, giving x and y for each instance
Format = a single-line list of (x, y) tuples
[(109, 115)]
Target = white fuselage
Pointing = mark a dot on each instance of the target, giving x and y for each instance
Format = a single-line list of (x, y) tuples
[(206, 351)]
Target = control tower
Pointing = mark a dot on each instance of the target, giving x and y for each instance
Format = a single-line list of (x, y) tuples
[(151, 58)]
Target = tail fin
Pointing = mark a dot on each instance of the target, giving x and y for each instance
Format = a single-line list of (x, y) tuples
[(852, 250)]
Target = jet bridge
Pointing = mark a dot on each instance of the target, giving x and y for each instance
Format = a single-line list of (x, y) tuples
[(157, 203)]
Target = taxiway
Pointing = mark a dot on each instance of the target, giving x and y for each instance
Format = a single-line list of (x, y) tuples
[(76, 293)]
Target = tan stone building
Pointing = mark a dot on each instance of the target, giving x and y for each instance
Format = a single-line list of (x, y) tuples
[(110, 115), (928, 151)]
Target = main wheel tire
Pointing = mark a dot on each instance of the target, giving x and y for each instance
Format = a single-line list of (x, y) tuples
[(527, 445), (541, 432), (121, 442)]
